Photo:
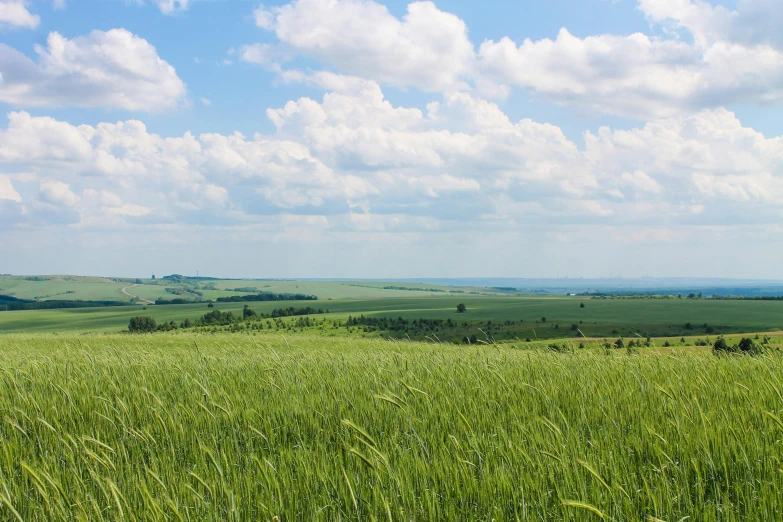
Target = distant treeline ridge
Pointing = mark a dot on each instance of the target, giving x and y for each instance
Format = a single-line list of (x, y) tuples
[(261, 296), (10, 303)]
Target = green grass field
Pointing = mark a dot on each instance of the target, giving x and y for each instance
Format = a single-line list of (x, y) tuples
[(350, 289), (599, 318), (63, 288), (46, 288), (238, 427)]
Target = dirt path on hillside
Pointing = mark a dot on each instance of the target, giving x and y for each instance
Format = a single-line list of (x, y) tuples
[(125, 291)]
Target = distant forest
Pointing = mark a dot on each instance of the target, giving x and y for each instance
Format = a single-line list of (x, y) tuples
[(9, 303)]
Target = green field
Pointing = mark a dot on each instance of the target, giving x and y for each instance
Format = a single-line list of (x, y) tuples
[(351, 289), (237, 427), (56, 287), (599, 317), (47, 288)]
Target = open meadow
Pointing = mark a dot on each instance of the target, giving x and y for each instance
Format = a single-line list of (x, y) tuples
[(222, 427), (507, 319), (401, 406), (66, 287)]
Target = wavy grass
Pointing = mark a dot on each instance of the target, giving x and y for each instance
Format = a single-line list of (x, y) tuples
[(189, 427)]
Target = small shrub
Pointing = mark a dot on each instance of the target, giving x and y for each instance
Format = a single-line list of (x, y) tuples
[(560, 348)]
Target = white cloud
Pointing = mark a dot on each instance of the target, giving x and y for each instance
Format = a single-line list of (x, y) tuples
[(172, 6), (636, 76), (7, 190), (57, 193), (103, 69), (735, 56), (639, 180), (427, 48), (355, 153), (433, 185), (753, 22), (14, 13)]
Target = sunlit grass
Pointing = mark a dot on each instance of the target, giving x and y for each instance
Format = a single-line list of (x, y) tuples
[(235, 427)]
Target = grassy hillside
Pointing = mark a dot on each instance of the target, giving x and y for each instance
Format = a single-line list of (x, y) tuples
[(351, 289), (216, 428), (106, 289), (48, 288)]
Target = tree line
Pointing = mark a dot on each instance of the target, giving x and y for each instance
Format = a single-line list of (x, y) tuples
[(146, 324)]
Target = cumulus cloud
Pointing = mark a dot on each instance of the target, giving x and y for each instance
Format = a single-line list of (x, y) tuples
[(14, 13), (103, 69), (58, 193), (7, 190), (172, 6), (353, 157), (427, 48), (753, 22), (710, 56), (636, 76), (734, 57)]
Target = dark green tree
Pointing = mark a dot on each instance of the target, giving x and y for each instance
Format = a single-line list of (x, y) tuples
[(747, 346), (461, 308), (141, 324), (721, 346)]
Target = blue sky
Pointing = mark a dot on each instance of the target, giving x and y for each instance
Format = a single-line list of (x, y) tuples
[(360, 138)]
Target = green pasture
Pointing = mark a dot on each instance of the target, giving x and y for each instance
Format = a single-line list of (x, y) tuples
[(345, 289), (103, 289), (270, 427), (67, 288), (602, 318)]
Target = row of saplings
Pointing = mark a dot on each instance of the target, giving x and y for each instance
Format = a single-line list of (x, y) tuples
[(746, 346), (145, 324)]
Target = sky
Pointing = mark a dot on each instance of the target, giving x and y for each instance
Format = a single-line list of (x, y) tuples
[(392, 139)]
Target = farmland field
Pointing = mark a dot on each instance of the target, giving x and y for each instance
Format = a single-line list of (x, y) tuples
[(598, 318), (59, 287), (62, 287), (239, 427), (382, 401)]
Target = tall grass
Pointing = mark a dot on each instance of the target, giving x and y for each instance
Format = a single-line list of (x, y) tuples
[(189, 427)]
